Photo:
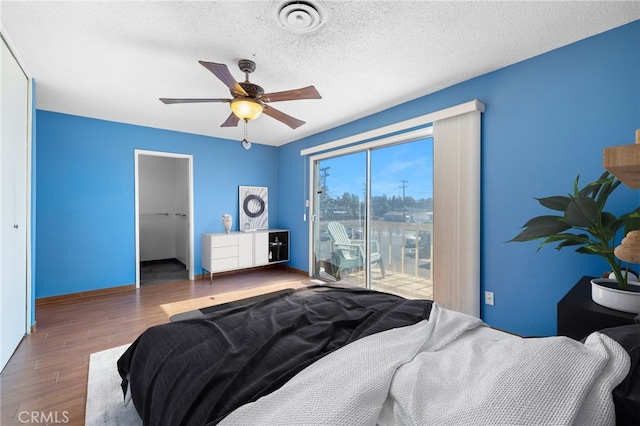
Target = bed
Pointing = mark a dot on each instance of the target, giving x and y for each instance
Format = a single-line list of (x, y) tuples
[(329, 355)]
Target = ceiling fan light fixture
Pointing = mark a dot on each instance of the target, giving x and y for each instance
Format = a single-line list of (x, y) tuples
[(246, 108), (249, 100)]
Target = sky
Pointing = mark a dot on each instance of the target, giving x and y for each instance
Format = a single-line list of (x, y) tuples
[(391, 168)]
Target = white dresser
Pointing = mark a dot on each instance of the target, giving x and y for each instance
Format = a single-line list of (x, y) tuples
[(239, 250)]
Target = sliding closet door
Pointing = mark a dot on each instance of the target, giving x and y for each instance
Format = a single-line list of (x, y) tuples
[(13, 233)]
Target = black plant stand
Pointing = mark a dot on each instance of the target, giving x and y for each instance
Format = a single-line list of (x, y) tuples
[(579, 316)]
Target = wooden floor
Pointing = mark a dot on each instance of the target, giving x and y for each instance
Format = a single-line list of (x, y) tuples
[(47, 375)]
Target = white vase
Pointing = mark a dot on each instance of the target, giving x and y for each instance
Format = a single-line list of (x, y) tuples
[(227, 221), (614, 298)]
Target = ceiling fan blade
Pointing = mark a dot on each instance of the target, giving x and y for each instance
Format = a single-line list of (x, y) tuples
[(191, 101), (231, 121), (308, 92), (294, 123), (222, 72)]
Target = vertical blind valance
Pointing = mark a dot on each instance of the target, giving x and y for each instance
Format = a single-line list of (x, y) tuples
[(420, 121)]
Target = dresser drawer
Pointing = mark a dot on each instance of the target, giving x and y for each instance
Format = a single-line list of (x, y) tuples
[(225, 264), (224, 240), (223, 252)]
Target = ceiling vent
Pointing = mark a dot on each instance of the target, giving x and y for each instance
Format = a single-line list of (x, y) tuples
[(300, 16)]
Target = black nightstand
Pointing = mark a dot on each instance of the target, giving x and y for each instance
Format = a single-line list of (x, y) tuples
[(579, 316)]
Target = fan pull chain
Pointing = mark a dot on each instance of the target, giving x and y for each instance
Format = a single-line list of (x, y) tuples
[(245, 142)]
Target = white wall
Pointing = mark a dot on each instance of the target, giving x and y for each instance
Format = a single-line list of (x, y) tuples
[(163, 199), (182, 209)]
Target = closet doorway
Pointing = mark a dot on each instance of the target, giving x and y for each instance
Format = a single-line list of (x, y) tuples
[(164, 214)]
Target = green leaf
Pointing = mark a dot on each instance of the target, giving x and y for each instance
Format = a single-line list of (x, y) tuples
[(568, 243), (609, 226), (581, 212), (607, 189), (602, 195), (576, 191), (595, 189), (631, 225), (633, 214), (609, 220), (541, 227), (566, 239), (543, 220), (595, 249), (576, 238), (557, 202)]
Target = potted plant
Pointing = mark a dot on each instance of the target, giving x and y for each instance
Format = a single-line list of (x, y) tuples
[(583, 223)]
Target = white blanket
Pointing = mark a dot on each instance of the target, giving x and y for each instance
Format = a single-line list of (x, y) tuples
[(434, 373)]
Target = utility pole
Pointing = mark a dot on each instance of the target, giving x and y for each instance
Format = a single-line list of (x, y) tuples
[(404, 186), (323, 182)]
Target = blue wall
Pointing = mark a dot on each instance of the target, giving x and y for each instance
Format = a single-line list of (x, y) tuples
[(85, 212), (547, 120)]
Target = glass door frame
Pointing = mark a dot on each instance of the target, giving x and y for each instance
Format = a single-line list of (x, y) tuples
[(381, 142)]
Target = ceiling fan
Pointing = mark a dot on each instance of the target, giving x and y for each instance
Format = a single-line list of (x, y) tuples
[(248, 99)]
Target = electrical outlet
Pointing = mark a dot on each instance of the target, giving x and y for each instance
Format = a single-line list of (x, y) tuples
[(488, 298)]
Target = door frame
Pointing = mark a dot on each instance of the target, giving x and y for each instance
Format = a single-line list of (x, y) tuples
[(190, 255), (422, 133)]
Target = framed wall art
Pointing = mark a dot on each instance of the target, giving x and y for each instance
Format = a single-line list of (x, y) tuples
[(254, 208)]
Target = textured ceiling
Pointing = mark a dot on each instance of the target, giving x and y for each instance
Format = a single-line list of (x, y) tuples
[(113, 60)]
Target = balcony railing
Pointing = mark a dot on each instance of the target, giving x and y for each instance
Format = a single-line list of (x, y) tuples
[(405, 248)]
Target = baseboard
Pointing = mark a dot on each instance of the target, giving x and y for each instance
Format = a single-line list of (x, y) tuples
[(299, 271), (112, 290), (83, 294)]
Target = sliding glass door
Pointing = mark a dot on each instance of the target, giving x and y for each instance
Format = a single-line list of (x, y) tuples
[(401, 201), (339, 217), (373, 217)]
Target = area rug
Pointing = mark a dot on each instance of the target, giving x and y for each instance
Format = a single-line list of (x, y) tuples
[(105, 402)]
